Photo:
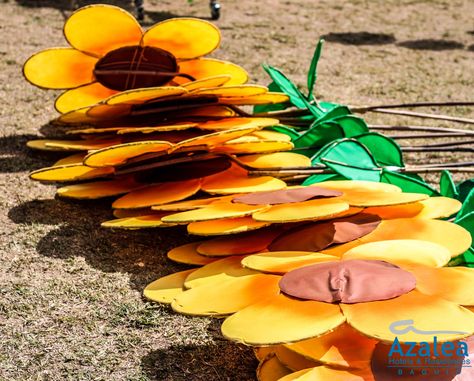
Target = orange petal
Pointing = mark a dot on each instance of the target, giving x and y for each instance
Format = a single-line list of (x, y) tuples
[(231, 123), (98, 29), (207, 67), (59, 68), (82, 96), (139, 96), (271, 369), (246, 243), (325, 373), (232, 91), (98, 189), (138, 222), (214, 81), (258, 99), (185, 38), (158, 194)]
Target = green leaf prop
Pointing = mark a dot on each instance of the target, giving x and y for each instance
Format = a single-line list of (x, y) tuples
[(467, 207), (291, 132), (464, 189), (447, 186), (352, 125), (320, 177), (353, 160), (384, 149), (312, 73), (407, 183)]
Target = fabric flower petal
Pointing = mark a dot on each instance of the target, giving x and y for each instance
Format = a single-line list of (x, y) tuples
[(59, 68), (165, 289), (82, 96), (281, 319), (188, 255), (207, 67), (98, 29), (185, 38), (424, 312)]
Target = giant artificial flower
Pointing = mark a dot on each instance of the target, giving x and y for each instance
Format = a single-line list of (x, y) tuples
[(284, 297), (346, 355), (110, 53)]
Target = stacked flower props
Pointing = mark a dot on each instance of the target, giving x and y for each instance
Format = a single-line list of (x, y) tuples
[(323, 295), (146, 107)]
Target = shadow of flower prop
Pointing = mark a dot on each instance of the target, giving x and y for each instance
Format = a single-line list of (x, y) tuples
[(111, 53)]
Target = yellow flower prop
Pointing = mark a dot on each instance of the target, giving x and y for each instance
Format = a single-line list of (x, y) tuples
[(346, 355), (110, 53), (275, 299)]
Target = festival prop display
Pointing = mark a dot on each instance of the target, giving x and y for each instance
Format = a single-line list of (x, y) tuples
[(315, 236)]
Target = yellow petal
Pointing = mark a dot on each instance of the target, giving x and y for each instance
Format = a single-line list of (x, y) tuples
[(293, 360), (402, 251), (59, 68), (358, 186), (280, 262), (231, 123), (188, 255), (450, 283), (312, 210), (82, 96), (282, 319), (273, 135), (232, 91), (165, 289), (98, 29), (227, 296), (262, 352), (70, 145), (185, 38), (72, 172), (139, 96), (376, 198), (121, 153), (213, 212), (271, 369), (325, 373), (456, 239), (161, 128), (259, 99), (215, 138), (139, 222), (207, 67), (76, 158), (276, 160), (214, 81), (344, 347), (218, 271), (98, 189), (225, 226), (262, 146), (186, 205), (246, 243), (426, 313), (157, 194)]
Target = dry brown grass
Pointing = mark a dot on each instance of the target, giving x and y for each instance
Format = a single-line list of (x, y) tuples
[(70, 304)]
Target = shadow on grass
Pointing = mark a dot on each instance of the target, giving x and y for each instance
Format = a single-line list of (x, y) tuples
[(15, 156), (360, 38), (221, 360), (140, 253), (431, 44)]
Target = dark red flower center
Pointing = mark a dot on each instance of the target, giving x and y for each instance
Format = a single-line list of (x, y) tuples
[(352, 281), (133, 67)]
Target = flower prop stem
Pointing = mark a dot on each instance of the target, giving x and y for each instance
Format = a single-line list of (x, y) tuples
[(362, 109), (419, 128), (423, 115)]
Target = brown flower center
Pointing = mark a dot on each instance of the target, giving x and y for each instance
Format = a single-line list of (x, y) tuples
[(352, 281), (133, 67)]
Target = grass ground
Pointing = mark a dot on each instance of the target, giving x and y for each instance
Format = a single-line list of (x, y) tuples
[(70, 292)]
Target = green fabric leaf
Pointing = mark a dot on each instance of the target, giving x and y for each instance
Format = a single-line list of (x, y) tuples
[(290, 89), (333, 113), (312, 73), (384, 150), (351, 125), (467, 207), (352, 160), (466, 259), (407, 183), (447, 186), (319, 135), (320, 177), (464, 189)]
